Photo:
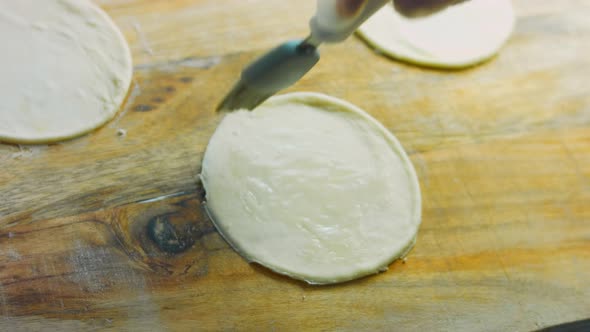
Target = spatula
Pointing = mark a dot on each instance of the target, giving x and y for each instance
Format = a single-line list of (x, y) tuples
[(284, 65)]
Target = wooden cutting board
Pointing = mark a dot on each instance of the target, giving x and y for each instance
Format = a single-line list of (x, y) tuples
[(107, 231)]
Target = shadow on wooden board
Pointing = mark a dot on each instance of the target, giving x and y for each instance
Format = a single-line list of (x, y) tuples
[(580, 325)]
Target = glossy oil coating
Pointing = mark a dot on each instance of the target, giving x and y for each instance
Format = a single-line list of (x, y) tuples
[(311, 187)]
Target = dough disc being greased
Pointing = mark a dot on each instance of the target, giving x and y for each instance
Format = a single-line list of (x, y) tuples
[(311, 187)]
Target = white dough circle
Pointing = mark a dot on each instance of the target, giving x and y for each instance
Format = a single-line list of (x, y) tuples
[(311, 187), (65, 69), (459, 36)]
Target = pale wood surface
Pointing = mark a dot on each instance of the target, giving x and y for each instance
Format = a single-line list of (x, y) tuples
[(502, 152)]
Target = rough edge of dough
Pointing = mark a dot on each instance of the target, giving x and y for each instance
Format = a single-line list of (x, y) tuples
[(121, 99), (376, 48), (339, 105)]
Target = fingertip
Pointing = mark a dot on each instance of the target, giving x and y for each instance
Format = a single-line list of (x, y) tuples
[(421, 8)]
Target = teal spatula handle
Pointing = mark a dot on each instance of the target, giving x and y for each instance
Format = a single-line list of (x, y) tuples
[(334, 21)]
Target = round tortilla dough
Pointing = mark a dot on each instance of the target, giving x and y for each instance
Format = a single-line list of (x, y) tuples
[(311, 187), (65, 69), (459, 36)]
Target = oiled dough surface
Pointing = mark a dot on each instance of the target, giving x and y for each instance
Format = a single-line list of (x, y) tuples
[(65, 69), (311, 187)]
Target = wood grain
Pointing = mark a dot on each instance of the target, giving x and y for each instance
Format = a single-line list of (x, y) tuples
[(107, 231)]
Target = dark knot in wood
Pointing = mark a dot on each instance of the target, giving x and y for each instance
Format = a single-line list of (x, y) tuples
[(170, 238)]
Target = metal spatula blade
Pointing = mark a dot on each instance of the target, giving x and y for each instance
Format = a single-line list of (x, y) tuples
[(272, 72), (280, 68)]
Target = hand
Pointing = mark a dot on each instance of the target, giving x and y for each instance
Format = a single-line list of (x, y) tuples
[(408, 8), (419, 8)]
